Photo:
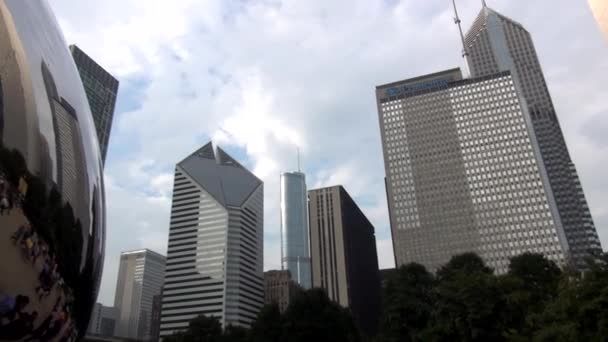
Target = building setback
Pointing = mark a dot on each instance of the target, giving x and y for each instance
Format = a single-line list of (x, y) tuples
[(464, 172), (295, 249), (344, 257), (215, 252), (103, 321), (496, 44), (279, 288), (101, 89), (140, 278)]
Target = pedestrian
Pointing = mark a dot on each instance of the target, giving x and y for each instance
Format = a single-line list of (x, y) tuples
[(19, 233), (4, 206)]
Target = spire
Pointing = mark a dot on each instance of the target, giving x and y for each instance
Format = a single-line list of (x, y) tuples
[(298, 159), (465, 53), (483, 3)]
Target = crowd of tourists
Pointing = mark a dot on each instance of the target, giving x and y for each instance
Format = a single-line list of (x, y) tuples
[(16, 321)]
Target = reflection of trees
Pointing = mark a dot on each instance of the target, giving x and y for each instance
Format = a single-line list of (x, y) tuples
[(55, 222)]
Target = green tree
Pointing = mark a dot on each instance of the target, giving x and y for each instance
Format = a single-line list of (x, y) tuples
[(267, 327), (468, 303), (531, 283), (407, 303), (311, 316)]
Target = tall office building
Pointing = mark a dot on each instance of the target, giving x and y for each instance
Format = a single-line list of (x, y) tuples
[(279, 288), (295, 249), (464, 171), (495, 44), (140, 278), (215, 253), (344, 257), (101, 89), (600, 12), (103, 321)]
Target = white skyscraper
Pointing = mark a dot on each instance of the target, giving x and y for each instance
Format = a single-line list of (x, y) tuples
[(295, 248), (464, 172), (140, 278), (496, 44), (215, 252)]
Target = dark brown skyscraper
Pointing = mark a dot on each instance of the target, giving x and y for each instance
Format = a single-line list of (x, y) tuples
[(279, 288), (343, 252)]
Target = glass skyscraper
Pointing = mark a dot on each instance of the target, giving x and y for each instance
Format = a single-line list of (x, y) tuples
[(495, 44), (295, 249), (216, 240), (101, 89)]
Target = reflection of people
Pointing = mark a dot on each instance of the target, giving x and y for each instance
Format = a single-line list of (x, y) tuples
[(4, 205), (20, 327), (10, 307)]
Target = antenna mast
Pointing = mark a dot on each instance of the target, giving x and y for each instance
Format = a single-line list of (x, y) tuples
[(298, 159), (465, 53)]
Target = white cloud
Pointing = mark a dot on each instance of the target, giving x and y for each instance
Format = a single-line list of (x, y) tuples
[(266, 76)]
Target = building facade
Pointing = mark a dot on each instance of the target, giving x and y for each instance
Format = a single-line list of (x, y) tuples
[(295, 248), (103, 321), (215, 252), (600, 12), (344, 256), (140, 278), (495, 44), (279, 288), (464, 172), (101, 89), (155, 319)]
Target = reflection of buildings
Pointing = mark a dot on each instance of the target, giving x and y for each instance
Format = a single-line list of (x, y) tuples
[(600, 11), (344, 257), (140, 278), (279, 288), (103, 320), (495, 44), (43, 107), (215, 252), (295, 248), (101, 89)]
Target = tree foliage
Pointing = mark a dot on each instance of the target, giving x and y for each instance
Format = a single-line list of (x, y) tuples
[(466, 301)]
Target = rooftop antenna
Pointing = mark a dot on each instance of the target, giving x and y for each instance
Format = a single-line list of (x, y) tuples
[(298, 159), (457, 21)]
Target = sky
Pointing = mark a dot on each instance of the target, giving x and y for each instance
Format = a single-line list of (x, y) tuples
[(264, 77)]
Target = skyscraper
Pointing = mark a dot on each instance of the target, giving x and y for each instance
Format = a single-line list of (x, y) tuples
[(495, 44), (101, 89), (600, 11), (279, 288), (464, 172), (295, 250), (344, 257), (103, 321), (215, 253), (140, 278)]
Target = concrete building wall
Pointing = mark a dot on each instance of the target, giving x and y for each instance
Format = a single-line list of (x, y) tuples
[(344, 256)]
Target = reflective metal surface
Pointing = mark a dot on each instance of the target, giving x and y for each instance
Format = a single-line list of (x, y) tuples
[(51, 188)]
